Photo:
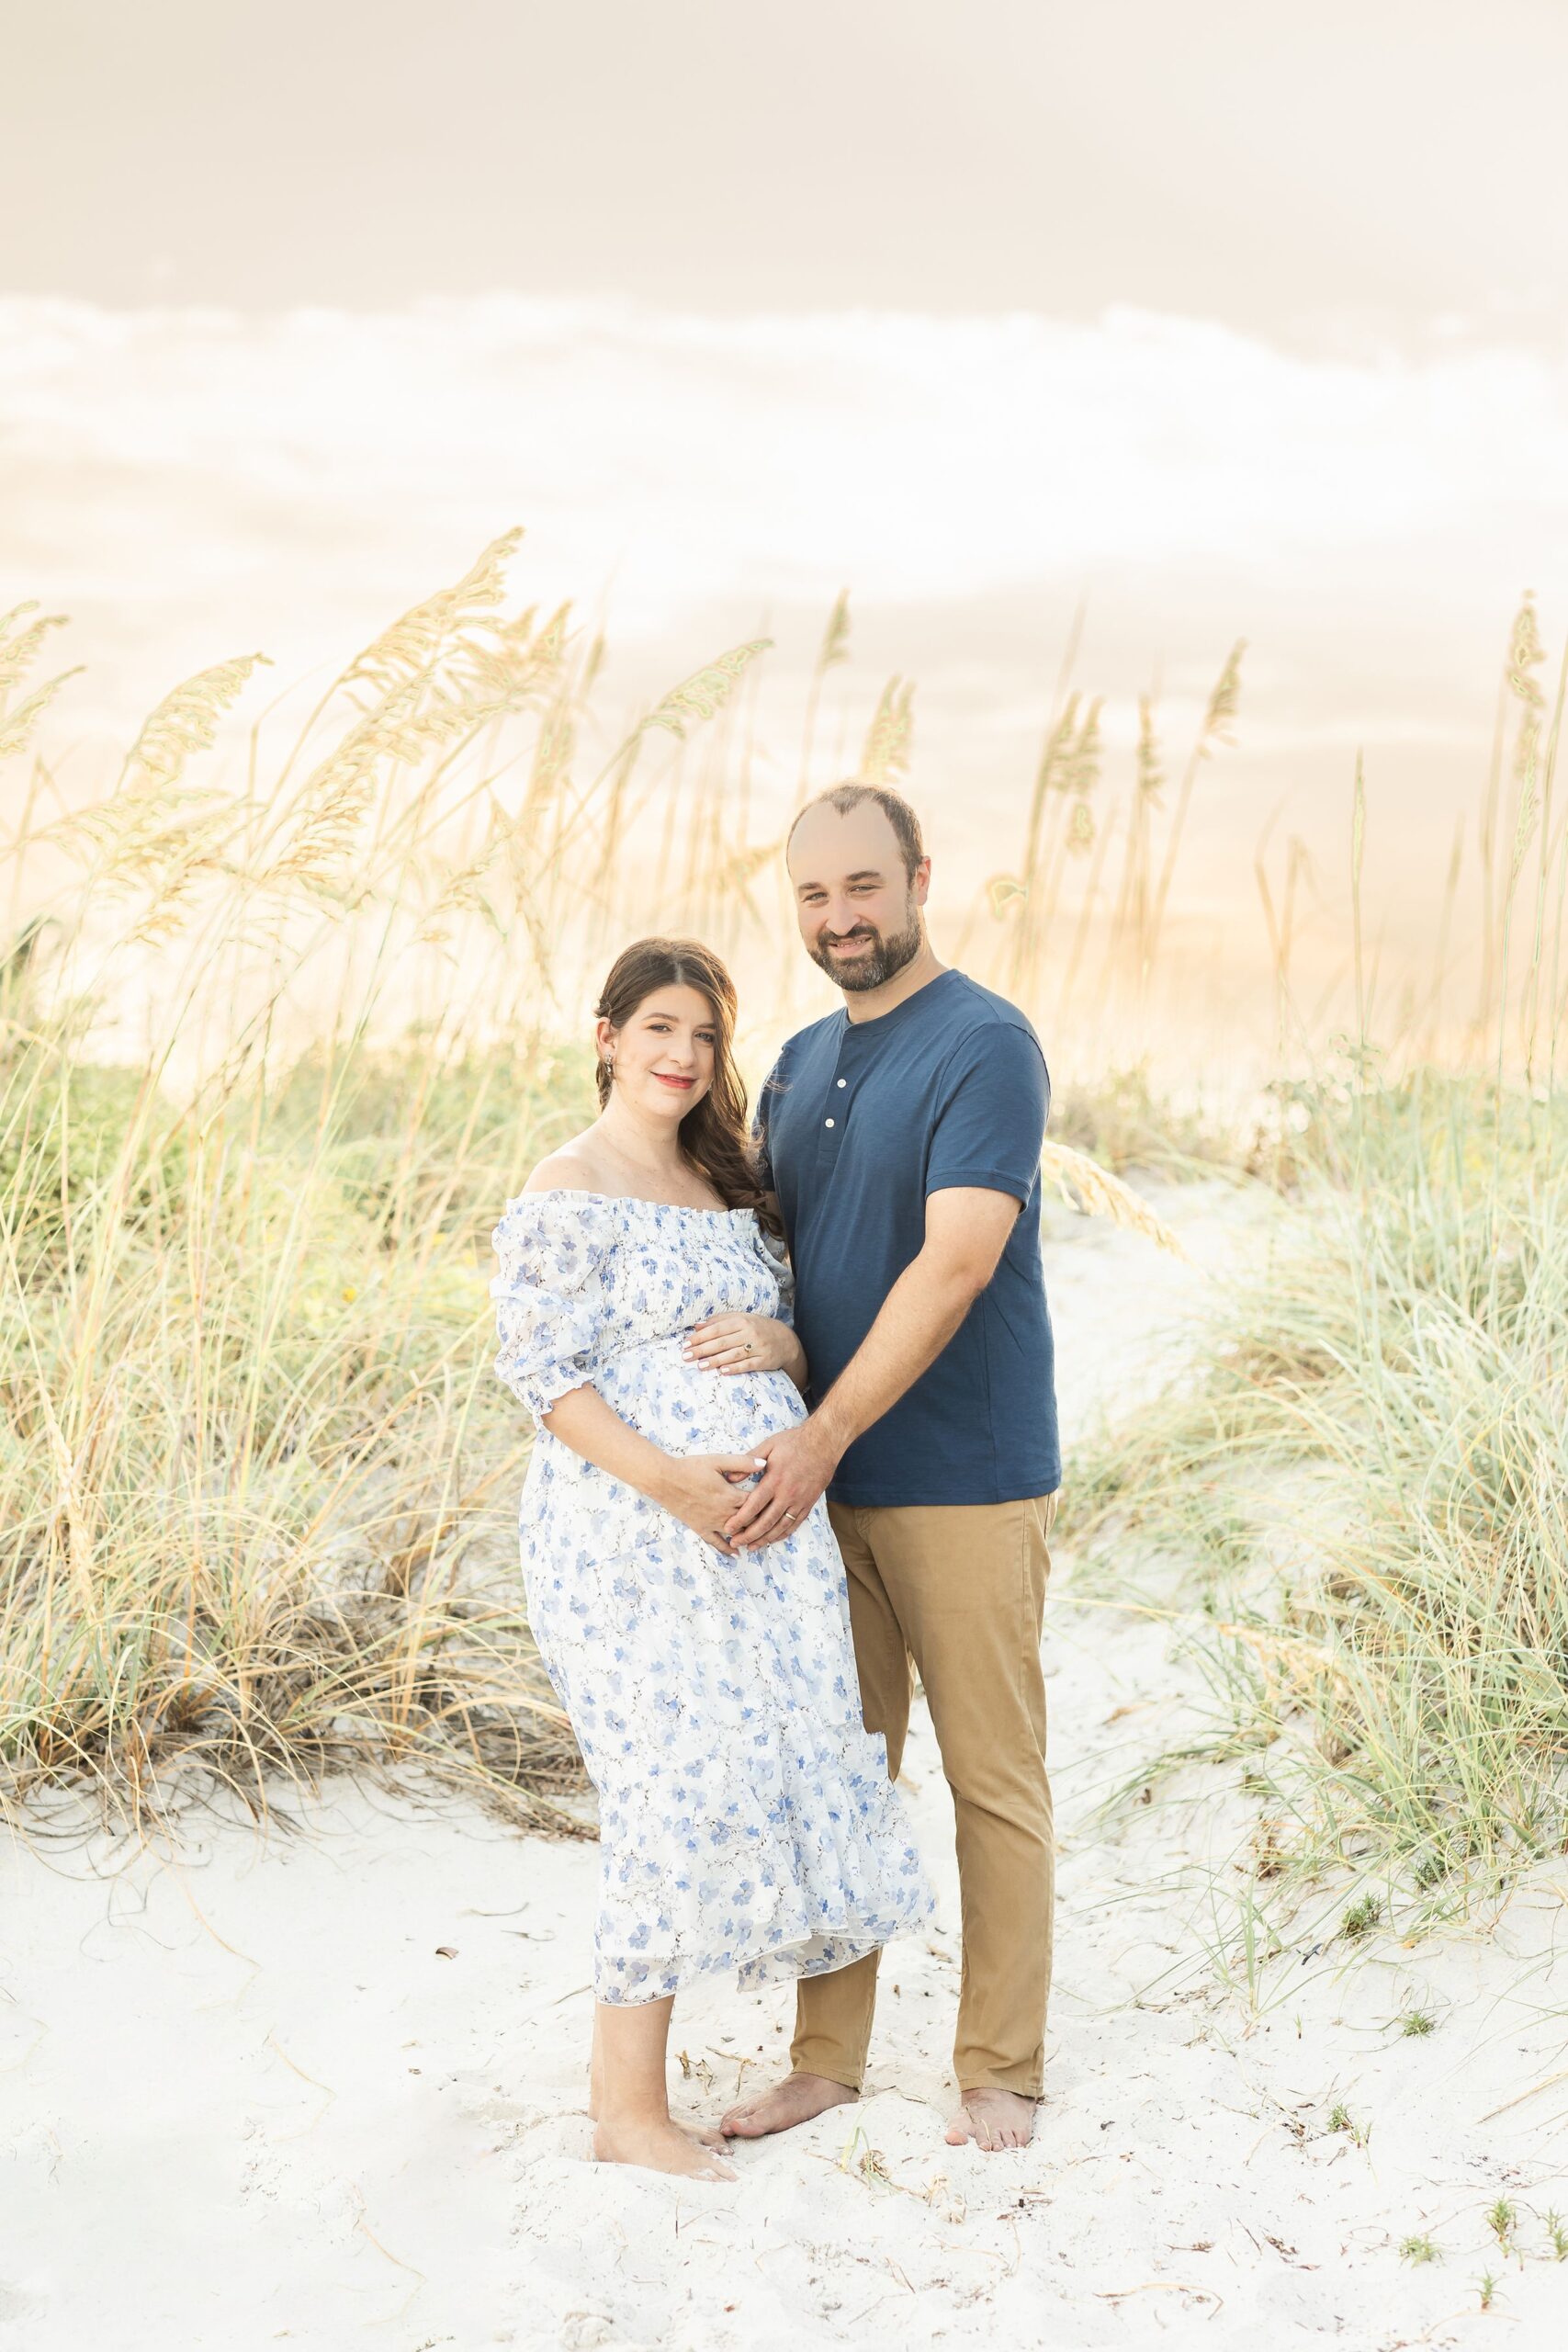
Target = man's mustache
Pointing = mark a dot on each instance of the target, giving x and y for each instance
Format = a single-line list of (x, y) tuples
[(841, 938)]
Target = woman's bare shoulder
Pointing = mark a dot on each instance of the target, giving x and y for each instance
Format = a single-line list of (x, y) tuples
[(573, 1169)]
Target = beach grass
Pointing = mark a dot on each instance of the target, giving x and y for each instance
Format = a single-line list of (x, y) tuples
[(258, 1494), (1368, 1467), (1364, 1465), (283, 1021)]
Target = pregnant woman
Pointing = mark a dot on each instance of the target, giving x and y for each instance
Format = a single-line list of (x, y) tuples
[(746, 1817)]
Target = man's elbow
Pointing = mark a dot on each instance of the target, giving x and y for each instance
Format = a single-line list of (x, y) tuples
[(967, 1246), (964, 1277)]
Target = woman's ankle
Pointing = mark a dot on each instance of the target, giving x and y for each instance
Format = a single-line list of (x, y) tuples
[(630, 2114)]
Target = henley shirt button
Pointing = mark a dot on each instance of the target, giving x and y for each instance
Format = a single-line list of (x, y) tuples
[(827, 1123), (843, 1081)]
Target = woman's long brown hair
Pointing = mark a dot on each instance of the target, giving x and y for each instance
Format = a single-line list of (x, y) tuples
[(716, 1135)]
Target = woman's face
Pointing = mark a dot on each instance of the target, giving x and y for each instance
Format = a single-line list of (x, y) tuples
[(664, 1052)]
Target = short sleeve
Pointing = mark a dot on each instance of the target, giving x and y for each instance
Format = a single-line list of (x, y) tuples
[(549, 1295), (996, 1097)]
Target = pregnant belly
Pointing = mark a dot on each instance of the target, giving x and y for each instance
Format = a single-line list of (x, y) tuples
[(572, 1512), (685, 1409)]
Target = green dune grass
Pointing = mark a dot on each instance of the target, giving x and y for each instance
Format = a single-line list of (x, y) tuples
[(275, 1046)]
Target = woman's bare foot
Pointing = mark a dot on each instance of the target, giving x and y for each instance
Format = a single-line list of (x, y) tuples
[(703, 2132), (659, 2146), (795, 2100), (993, 2119)]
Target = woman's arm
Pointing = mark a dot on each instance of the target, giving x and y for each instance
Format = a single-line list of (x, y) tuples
[(697, 1488), (582, 1421)]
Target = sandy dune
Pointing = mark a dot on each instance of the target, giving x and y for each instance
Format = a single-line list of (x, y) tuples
[(325, 2089)]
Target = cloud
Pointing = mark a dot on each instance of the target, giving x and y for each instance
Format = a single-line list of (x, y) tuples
[(715, 457), (194, 483)]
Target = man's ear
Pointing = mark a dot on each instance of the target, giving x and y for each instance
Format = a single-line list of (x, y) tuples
[(921, 882)]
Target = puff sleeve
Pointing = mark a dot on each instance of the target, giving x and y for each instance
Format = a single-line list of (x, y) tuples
[(550, 1298)]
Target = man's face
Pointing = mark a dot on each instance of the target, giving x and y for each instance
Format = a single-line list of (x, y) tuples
[(858, 909)]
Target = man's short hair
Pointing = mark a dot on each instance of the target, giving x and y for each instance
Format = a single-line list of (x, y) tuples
[(893, 805)]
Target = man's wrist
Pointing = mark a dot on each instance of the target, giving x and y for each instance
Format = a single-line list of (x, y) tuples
[(828, 1426)]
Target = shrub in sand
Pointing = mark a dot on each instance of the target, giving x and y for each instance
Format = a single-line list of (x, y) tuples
[(1386, 1393)]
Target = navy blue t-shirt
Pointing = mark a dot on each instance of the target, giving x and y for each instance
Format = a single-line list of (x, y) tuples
[(858, 1123)]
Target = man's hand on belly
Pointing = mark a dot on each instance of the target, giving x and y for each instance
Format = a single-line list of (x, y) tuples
[(800, 1463)]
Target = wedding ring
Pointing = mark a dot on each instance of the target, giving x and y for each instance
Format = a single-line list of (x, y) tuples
[(789, 1514)]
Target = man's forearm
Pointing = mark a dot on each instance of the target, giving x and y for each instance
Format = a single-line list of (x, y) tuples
[(918, 1316)]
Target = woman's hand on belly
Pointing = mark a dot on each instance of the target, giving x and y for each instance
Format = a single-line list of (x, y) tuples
[(699, 1489), (732, 1343)]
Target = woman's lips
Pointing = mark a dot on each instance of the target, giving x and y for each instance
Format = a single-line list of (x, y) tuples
[(682, 1085)]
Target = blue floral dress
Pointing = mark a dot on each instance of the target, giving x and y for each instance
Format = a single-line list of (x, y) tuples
[(746, 1816)]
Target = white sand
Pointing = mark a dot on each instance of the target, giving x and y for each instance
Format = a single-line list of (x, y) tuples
[(247, 2100)]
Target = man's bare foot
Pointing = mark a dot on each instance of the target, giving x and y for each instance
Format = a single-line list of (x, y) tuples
[(993, 2119), (795, 2100), (661, 2147)]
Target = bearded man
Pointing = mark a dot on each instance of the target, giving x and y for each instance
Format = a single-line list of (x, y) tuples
[(901, 1139)]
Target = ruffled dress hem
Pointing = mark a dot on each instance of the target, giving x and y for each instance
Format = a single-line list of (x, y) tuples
[(802, 1949)]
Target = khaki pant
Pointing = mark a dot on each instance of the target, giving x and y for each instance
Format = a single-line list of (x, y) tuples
[(960, 1589)]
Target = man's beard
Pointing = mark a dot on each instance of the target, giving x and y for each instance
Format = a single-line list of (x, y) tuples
[(886, 956)]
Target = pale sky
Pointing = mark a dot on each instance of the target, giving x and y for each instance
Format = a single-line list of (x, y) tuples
[(1278, 168), (1230, 320)]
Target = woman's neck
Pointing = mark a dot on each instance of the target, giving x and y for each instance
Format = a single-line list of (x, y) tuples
[(654, 1148)]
